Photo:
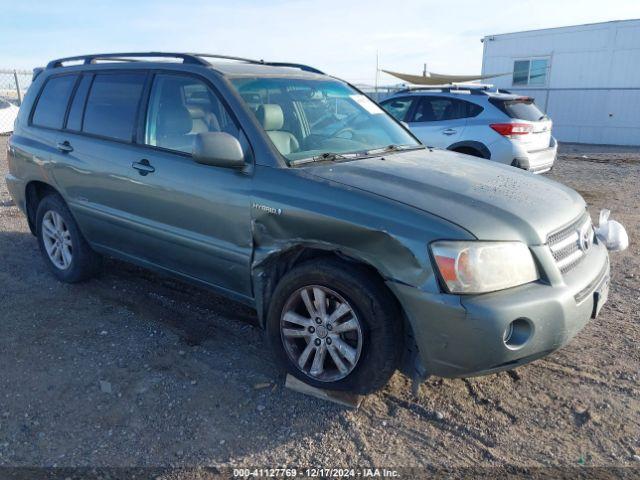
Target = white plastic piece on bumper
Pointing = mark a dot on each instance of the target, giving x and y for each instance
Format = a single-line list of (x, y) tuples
[(611, 233)]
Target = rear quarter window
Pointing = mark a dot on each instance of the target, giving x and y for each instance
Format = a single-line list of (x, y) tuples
[(113, 104), (52, 103), (520, 109)]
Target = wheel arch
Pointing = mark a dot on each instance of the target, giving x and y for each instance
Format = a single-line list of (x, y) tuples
[(269, 271), (481, 148), (35, 191)]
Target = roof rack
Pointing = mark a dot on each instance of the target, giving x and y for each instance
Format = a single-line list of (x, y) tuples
[(126, 57), (190, 58), (301, 66), (473, 88)]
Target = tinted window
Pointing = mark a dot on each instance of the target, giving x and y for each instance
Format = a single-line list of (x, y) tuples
[(473, 110), (520, 108), (538, 72), (74, 121), (436, 109), (52, 104), (530, 72), (112, 105), (180, 107), (4, 104), (398, 107), (520, 72)]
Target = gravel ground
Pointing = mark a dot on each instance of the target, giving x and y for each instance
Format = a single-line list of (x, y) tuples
[(133, 369)]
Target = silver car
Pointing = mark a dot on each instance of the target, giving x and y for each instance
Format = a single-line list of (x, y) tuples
[(479, 121)]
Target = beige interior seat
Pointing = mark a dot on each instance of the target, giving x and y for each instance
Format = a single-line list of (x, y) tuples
[(272, 119), (203, 120)]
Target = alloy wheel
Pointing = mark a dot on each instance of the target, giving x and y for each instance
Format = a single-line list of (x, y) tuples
[(321, 333), (57, 240)]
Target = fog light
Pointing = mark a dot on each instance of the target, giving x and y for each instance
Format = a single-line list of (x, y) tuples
[(517, 333)]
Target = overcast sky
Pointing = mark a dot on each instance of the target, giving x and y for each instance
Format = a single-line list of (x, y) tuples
[(339, 37)]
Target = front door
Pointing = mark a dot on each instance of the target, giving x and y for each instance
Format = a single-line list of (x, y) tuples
[(194, 219)]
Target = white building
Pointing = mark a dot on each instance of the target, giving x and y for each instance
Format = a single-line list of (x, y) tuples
[(586, 77)]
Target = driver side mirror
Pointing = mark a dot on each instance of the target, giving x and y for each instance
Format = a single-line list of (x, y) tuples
[(218, 149)]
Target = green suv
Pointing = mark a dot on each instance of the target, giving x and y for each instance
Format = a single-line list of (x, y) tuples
[(286, 189)]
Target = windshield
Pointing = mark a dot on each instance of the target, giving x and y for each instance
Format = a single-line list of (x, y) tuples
[(314, 119)]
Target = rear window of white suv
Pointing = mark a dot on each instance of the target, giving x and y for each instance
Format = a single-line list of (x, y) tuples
[(520, 108)]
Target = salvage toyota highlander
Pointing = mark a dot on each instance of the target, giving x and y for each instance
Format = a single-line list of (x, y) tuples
[(361, 250)]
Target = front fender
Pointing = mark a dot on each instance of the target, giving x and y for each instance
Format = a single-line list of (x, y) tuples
[(308, 212)]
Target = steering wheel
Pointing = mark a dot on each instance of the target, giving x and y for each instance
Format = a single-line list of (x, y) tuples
[(341, 131)]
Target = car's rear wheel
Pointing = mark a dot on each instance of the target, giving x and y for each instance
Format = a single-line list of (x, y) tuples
[(66, 252), (335, 326)]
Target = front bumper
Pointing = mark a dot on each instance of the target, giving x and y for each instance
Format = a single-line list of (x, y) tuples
[(462, 336)]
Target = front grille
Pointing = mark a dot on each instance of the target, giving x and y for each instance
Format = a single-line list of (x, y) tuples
[(565, 243)]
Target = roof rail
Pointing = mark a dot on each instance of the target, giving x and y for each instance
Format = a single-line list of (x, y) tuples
[(192, 58), (127, 57), (301, 66), (474, 88)]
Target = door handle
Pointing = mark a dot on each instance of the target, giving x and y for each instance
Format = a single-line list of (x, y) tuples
[(64, 147), (143, 167), (449, 131)]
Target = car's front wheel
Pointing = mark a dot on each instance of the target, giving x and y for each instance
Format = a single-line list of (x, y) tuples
[(335, 326), (67, 253)]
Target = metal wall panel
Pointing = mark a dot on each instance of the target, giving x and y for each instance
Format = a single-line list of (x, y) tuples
[(593, 85)]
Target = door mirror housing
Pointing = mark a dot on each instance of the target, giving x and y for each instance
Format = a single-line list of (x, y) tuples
[(218, 149)]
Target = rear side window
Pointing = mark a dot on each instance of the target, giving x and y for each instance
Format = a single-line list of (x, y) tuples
[(74, 121), (112, 105), (438, 109), (398, 107), (52, 104), (520, 109)]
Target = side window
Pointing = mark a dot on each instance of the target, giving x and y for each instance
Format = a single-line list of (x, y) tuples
[(52, 104), (398, 107), (473, 110), (74, 121), (179, 108), (437, 109), (530, 72), (112, 105)]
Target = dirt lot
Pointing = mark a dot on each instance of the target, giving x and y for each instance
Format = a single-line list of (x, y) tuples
[(134, 369)]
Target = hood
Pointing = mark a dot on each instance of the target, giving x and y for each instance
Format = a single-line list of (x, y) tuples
[(490, 200)]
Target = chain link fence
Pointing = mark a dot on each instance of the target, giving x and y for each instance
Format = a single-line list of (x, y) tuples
[(13, 86)]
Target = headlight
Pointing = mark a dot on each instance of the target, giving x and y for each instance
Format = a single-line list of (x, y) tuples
[(479, 267)]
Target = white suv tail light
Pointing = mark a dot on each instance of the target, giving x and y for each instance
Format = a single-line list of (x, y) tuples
[(512, 130)]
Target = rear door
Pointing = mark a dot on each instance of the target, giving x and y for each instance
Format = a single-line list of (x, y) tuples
[(438, 121), (97, 145)]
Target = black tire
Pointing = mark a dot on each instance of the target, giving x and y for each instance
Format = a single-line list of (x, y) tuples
[(374, 307), (85, 263)]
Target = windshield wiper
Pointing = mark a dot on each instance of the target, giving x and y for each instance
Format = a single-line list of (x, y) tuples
[(324, 157), (394, 148)]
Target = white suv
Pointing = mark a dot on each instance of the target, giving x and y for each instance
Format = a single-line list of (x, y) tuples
[(480, 121)]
